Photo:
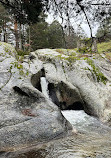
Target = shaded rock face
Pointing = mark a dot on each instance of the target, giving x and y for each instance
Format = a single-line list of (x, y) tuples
[(67, 94), (64, 95)]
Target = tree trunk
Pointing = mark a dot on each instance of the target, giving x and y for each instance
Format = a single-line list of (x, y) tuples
[(16, 35), (20, 36), (4, 31), (23, 40), (29, 39)]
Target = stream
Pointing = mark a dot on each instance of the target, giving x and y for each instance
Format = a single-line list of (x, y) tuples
[(93, 140)]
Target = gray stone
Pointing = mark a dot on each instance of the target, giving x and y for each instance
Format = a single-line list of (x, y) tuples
[(27, 116)]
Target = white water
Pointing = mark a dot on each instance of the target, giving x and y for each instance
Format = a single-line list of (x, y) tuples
[(83, 122), (78, 117), (92, 140), (44, 86)]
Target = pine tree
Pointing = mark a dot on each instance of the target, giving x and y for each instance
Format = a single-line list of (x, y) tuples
[(4, 19)]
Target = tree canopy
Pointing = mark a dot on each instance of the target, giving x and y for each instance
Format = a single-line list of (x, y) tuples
[(25, 11), (43, 35), (57, 34), (29, 10), (104, 30), (77, 11)]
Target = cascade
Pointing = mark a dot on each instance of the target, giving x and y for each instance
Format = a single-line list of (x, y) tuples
[(44, 86)]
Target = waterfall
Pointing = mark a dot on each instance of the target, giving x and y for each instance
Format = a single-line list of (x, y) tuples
[(44, 86)]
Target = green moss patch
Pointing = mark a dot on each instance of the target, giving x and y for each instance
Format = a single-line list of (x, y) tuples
[(67, 51), (96, 72), (19, 66)]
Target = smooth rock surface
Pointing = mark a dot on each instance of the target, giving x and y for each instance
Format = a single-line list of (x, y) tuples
[(27, 116), (94, 95)]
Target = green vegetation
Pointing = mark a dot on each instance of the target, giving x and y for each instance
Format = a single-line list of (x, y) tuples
[(8, 48), (104, 47), (19, 66), (22, 53), (108, 56), (104, 31), (69, 59), (43, 35), (87, 46), (77, 56), (85, 50), (62, 51), (86, 41), (96, 72), (71, 52)]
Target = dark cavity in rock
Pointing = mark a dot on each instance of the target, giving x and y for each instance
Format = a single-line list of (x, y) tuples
[(75, 106), (52, 94), (61, 94), (35, 79)]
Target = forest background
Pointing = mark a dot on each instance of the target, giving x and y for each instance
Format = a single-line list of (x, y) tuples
[(23, 23)]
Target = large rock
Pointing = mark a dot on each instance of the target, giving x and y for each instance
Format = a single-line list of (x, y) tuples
[(30, 118), (79, 83), (27, 117)]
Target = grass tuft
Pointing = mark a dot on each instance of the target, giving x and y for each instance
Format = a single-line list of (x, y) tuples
[(104, 47)]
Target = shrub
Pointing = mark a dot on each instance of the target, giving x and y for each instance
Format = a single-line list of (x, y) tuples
[(22, 53), (85, 50)]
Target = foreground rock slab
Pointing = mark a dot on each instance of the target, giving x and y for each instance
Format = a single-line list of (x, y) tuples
[(92, 140), (27, 117)]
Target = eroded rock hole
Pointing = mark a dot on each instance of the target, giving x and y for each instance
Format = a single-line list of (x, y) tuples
[(65, 97), (35, 79), (61, 94), (75, 106)]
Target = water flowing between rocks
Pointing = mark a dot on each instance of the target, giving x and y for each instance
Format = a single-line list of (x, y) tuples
[(27, 115), (44, 86), (93, 140)]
